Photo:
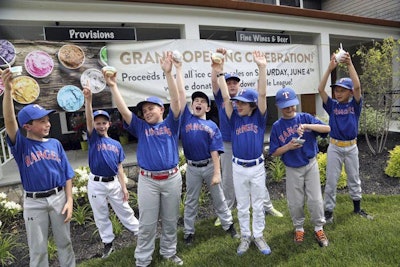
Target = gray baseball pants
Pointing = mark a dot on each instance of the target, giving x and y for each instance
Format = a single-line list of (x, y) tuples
[(194, 182), (39, 213), (157, 198), (335, 159), (303, 184)]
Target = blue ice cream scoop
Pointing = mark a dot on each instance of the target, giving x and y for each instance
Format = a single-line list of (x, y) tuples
[(70, 98)]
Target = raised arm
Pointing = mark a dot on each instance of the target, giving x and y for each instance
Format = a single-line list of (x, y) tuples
[(119, 101), (166, 66), (219, 69), (180, 84), (354, 77), (214, 78), (10, 121), (259, 58), (321, 87), (88, 108)]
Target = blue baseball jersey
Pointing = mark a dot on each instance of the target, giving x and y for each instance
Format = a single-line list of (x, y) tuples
[(224, 126), (283, 130), (157, 148), (105, 154), (248, 134), (343, 118), (42, 165), (199, 137)]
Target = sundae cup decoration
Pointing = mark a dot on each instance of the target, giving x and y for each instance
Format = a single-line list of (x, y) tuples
[(39, 64), (25, 89), (109, 70), (71, 56), (177, 56), (7, 54), (339, 56), (103, 59), (217, 57), (70, 98), (95, 78), (16, 71)]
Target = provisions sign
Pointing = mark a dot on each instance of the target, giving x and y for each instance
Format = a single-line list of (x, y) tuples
[(83, 34)]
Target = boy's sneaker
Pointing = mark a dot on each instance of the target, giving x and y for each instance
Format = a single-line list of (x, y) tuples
[(189, 239), (274, 213), (299, 237), (244, 245), (175, 259), (108, 249), (232, 231), (262, 245), (321, 238), (328, 216), (364, 214), (217, 222)]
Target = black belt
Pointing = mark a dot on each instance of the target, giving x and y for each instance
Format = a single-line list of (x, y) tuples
[(248, 163), (199, 164), (43, 194), (103, 179)]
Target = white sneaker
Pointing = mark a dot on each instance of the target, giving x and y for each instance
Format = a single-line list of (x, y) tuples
[(217, 222), (262, 245), (274, 213), (244, 245), (175, 259)]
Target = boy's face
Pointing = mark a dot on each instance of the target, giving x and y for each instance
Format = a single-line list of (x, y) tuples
[(289, 112), (243, 108), (101, 125), (152, 113), (342, 94), (200, 106), (38, 128), (233, 87)]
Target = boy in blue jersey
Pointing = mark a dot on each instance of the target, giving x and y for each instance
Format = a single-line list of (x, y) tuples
[(106, 179), (160, 182), (233, 83), (46, 177), (344, 113), (248, 122), (302, 172), (202, 145)]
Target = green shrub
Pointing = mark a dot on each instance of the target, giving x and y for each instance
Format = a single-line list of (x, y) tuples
[(393, 164), (9, 210), (51, 248), (322, 160), (82, 214), (8, 242), (276, 170), (372, 122)]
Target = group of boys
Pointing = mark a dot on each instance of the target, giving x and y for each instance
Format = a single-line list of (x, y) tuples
[(235, 147)]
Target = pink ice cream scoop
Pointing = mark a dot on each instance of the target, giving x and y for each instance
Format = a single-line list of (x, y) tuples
[(39, 64)]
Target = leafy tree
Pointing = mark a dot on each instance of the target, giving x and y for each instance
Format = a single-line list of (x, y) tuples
[(380, 86)]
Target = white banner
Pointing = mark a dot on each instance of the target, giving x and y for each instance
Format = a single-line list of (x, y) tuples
[(140, 75)]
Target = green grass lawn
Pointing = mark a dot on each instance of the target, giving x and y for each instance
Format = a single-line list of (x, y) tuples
[(354, 241)]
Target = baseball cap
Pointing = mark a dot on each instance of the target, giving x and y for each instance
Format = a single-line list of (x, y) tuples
[(201, 95), (101, 113), (151, 99), (286, 97), (246, 95), (32, 112), (233, 76), (345, 83)]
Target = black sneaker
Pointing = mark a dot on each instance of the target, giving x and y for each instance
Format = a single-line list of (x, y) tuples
[(328, 216), (189, 239), (232, 231), (108, 249), (364, 214)]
